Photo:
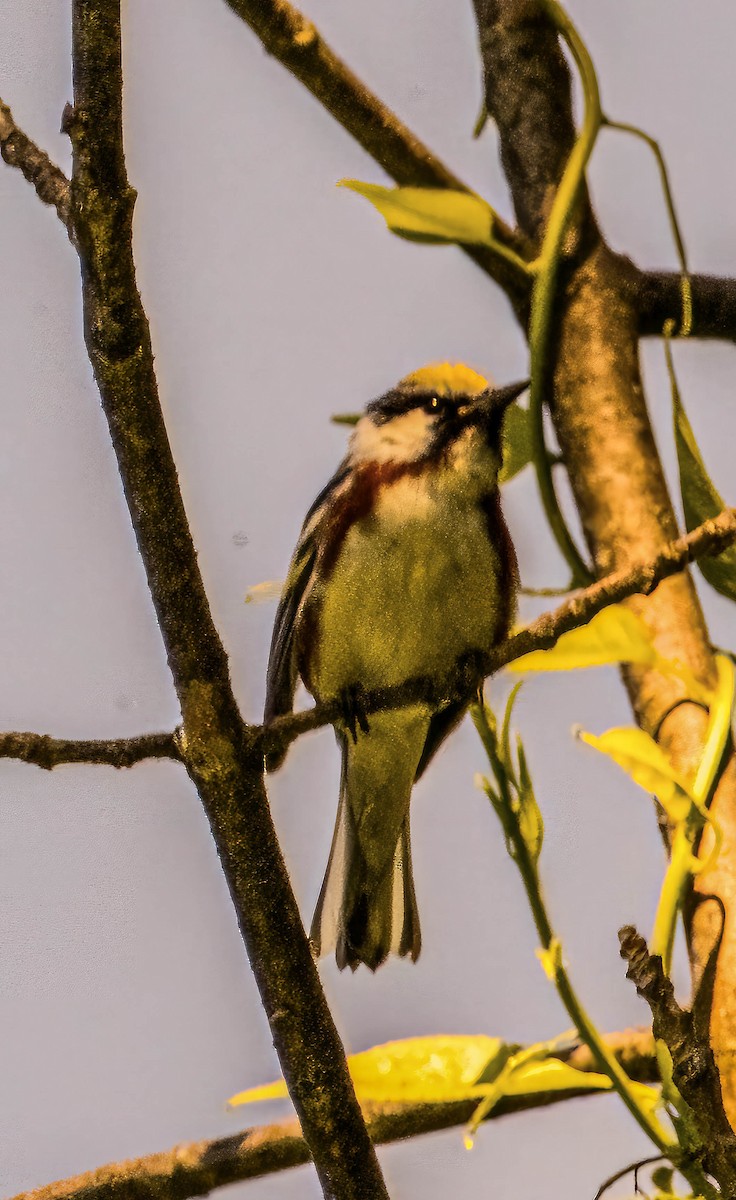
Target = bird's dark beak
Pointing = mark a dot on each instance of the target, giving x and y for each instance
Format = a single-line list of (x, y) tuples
[(499, 399), (488, 408)]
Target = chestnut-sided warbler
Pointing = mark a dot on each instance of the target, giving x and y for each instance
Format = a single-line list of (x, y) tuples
[(403, 566)]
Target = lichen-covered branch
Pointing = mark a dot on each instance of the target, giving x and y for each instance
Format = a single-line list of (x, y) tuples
[(196, 1168), (640, 578), (292, 39), (17, 149), (215, 746), (48, 752)]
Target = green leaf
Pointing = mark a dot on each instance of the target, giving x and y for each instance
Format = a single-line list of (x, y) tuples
[(529, 816), (345, 418), (718, 731), (430, 214), (647, 764), (616, 634), (701, 499), (518, 449), (415, 1070), (662, 1178)]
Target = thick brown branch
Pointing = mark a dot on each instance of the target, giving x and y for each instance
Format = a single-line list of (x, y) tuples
[(49, 752), (50, 182), (658, 298), (605, 435), (199, 1167), (641, 578), (214, 744), (298, 45), (526, 77)]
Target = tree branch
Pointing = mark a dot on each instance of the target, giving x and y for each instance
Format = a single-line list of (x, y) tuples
[(693, 1066), (197, 1168), (605, 435), (658, 298), (47, 752), (710, 538), (214, 745), (297, 44), (50, 182)]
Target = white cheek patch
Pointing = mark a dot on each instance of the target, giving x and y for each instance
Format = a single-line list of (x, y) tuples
[(402, 439)]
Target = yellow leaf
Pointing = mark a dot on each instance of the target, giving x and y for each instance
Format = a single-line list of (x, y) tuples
[(551, 959), (551, 1075), (269, 1091), (260, 593), (422, 1069), (647, 764), (614, 635), (429, 214)]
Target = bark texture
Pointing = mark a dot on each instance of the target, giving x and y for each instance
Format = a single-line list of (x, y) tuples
[(218, 751), (601, 419)]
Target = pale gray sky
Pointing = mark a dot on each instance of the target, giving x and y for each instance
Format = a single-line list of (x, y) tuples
[(127, 1009)]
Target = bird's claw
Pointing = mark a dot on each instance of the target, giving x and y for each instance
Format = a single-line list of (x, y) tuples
[(352, 704)]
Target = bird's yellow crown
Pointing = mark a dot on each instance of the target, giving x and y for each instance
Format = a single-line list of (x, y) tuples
[(447, 379)]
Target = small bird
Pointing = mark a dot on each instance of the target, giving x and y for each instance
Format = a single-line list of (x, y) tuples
[(404, 565)]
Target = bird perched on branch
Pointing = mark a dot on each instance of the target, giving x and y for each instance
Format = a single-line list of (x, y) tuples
[(404, 566)]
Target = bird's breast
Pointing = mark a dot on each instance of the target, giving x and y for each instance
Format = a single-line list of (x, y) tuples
[(416, 582)]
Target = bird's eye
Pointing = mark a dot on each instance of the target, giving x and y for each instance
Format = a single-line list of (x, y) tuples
[(433, 405)]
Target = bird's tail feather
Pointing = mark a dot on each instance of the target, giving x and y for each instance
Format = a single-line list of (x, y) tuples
[(362, 913)]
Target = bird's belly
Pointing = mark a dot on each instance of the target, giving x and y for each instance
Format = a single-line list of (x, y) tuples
[(409, 593)]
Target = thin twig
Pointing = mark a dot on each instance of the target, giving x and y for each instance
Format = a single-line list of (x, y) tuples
[(50, 182), (214, 743), (712, 537), (634, 1166), (292, 39), (47, 752), (197, 1168)]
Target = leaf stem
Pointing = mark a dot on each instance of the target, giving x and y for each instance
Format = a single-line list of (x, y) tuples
[(518, 848), (546, 269), (683, 863), (686, 322)]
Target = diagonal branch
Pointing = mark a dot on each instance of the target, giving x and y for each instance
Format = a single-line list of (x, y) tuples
[(50, 182), (48, 752), (215, 745), (297, 44), (197, 1168), (710, 538)]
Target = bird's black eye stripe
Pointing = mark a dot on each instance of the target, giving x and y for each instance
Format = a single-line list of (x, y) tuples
[(397, 402)]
